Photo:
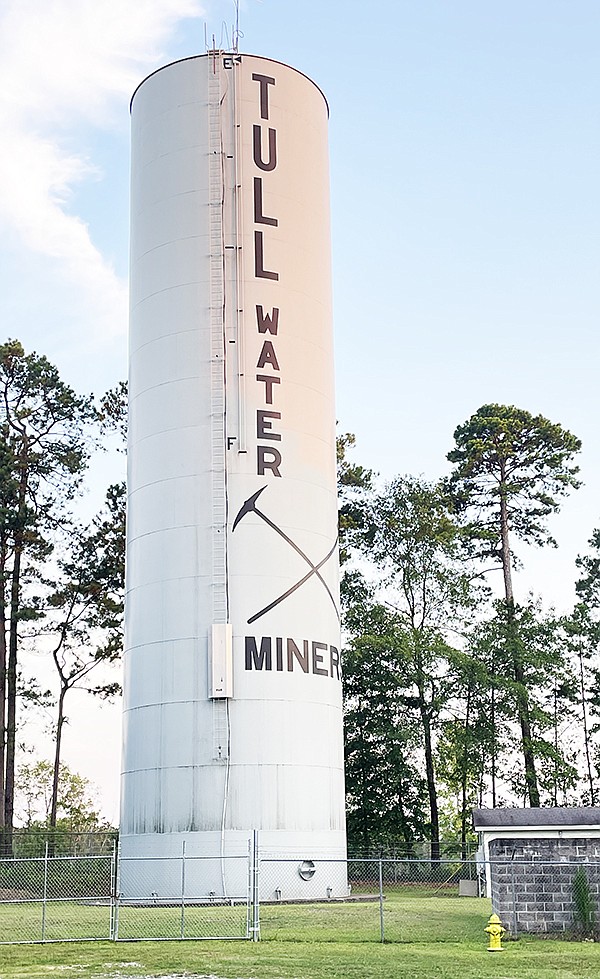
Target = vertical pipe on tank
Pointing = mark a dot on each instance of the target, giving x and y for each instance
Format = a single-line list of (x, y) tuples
[(239, 278), (217, 330)]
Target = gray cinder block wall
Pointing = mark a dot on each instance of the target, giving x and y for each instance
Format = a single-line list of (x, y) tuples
[(532, 881)]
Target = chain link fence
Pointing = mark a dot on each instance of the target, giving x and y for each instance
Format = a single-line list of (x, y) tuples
[(183, 897), (33, 841), (375, 900), (416, 850), (254, 895), (53, 899)]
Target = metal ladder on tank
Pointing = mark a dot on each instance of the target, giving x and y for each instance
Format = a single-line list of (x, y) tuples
[(217, 386)]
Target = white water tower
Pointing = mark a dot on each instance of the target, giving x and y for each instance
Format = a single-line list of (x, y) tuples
[(232, 691)]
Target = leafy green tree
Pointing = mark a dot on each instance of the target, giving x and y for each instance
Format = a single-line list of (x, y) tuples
[(78, 817), (582, 630), (355, 484), (588, 586), (384, 784), (34, 786), (548, 678), (426, 583), (587, 589), (45, 444), (84, 617), (552, 688), (489, 736), (510, 470), (467, 744), (113, 413)]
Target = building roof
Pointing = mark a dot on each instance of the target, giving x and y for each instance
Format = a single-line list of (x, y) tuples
[(522, 818)]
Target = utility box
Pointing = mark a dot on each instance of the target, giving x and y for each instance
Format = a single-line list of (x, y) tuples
[(221, 661)]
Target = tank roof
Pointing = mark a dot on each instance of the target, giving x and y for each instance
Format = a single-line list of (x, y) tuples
[(228, 54)]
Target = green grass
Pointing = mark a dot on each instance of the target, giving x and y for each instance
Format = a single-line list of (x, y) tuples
[(407, 917), (436, 937), (66, 919), (302, 960), (195, 922), (70, 920)]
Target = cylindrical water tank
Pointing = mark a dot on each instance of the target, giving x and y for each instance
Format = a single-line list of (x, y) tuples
[(232, 687)]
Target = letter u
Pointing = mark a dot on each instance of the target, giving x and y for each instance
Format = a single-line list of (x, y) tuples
[(272, 162)]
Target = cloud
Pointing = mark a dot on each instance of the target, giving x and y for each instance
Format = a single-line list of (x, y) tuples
[(64, 65)]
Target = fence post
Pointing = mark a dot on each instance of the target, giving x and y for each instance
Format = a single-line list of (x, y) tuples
[(183, 889), (255, 889), (514, 898), (381, 921), (45, 894), (117, 890), (112, 888), (249, 905)]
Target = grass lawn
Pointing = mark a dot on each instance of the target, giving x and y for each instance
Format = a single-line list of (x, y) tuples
[(439, 937), (407, 916), (302, 960)]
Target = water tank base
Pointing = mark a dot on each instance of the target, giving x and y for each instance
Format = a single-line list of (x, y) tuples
[(205, 867)]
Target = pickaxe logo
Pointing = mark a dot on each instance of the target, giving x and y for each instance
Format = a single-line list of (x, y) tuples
[(315, 569)]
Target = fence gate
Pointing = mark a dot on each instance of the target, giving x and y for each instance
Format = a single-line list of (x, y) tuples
[(183, 897)]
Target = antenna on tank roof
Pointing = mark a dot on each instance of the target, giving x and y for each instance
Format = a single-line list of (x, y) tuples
[(209, 47), (236, 34)]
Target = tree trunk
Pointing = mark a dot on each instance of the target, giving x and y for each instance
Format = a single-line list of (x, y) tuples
[(56, 773), (11, 703), (3, 665), (11, 676), (505, 542), (464, 777), (493, 726), (406, 831), (531, 781), (363, 797), (430, 772), (522, 699), (555, 724), (586, 739)]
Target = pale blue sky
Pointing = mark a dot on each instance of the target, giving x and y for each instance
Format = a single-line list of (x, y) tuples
[(465, 148), (464, 145)]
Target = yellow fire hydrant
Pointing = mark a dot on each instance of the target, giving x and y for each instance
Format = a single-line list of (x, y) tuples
[(495, 931)]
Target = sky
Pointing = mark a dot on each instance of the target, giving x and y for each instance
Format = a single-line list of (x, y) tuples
[(464, 155)]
